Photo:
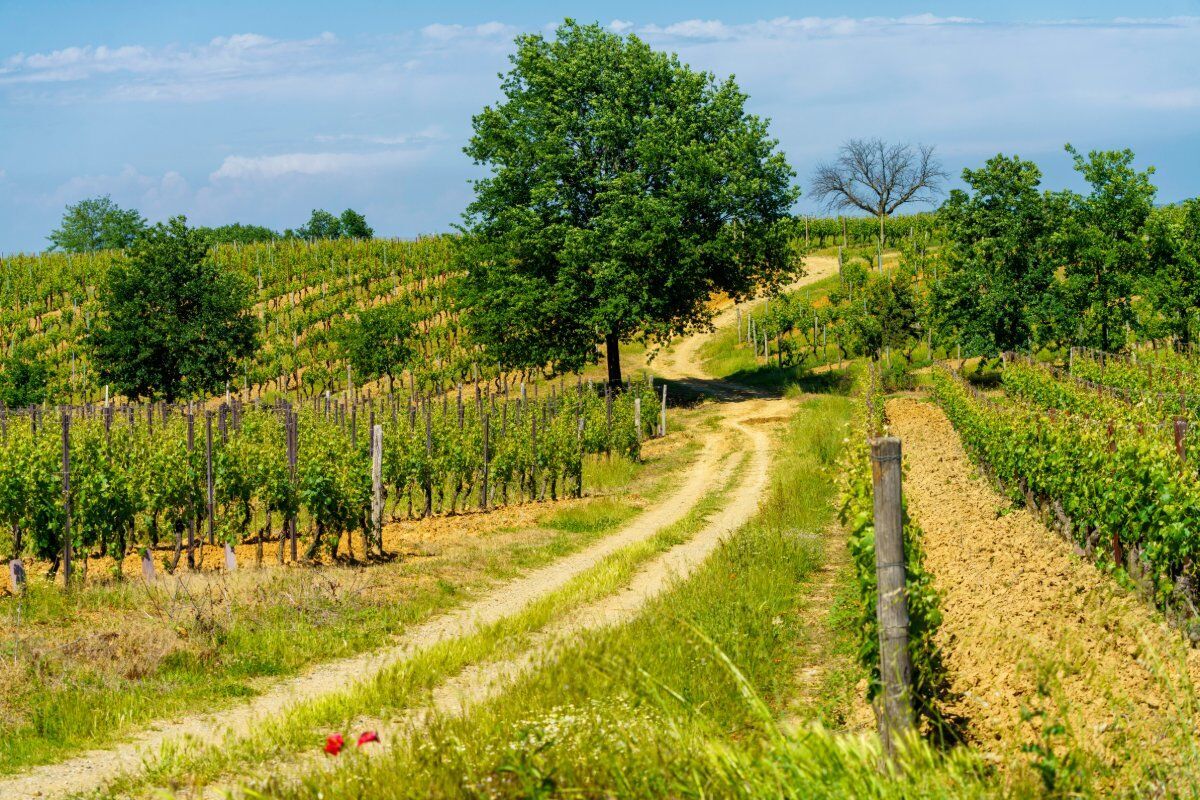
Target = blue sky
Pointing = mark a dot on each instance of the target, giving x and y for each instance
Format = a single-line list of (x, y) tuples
[(259, 112)]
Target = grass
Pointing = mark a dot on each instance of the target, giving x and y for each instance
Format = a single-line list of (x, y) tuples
[(85, 668), (680, 702), (604, 514), (408, 683)]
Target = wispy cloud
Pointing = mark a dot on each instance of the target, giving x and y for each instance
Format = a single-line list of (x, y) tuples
[(432, 133), (329, 163), (228, 56)]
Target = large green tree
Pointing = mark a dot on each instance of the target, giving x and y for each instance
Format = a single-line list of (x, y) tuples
[(96, 223), (173, 324), (625, 189), (994, 277), (1172, 288), (1101, 245), (353, 225), (379, 341), (321, 225)]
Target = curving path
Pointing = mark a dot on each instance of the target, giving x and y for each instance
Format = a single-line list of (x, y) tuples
[(742, 412)]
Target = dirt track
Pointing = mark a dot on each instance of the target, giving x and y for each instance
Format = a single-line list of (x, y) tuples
[(736, 432), (1019, 605)]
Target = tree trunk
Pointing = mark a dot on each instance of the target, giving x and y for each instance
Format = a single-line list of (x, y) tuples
[(612, 345)]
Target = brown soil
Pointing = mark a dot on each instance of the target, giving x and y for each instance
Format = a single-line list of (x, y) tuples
[(1030, 626)]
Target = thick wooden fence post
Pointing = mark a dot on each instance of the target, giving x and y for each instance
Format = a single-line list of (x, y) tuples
[(377, 486), (895, 667)]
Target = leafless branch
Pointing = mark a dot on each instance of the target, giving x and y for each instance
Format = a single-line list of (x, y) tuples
[(876, 177)]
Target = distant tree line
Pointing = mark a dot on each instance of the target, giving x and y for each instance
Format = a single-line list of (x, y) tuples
[(97, 223)]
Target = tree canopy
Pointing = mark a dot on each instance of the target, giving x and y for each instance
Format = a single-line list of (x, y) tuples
[(96, 223), (237, 233), (378, 341), (1101, 246), (172, 323), (324, 225), (996, 270), (625, 189)]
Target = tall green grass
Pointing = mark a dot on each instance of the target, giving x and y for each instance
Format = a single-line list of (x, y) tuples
[(682, 701)]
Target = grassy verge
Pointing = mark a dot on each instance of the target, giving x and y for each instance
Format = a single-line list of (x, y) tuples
[(83, 669), (682, 701), (407, 684)]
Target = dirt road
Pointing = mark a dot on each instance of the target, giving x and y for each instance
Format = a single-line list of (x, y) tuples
[(735, 432)]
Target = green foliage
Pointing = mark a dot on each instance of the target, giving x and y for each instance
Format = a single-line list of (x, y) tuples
[(23, 378), (1117, 481), (1101, 246), (173, 324), (96, 223), (1172, 289), (875, 311), (321, 225), (995, 279), (237, 233), (353, 225), (379, 342), (625, 189), (930, 679), (324, 225)]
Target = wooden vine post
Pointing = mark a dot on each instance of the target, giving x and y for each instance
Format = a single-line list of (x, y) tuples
[(209, 504), (377, 486), (662, 411), (894, 709), (485, 421), (66, 490), (293, 441)]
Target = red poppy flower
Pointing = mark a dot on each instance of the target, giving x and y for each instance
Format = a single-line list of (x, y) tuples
[(333, 744), (368, 736)]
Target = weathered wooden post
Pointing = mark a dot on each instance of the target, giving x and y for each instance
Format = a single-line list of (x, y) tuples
[(16, 575), (147, 565), (485, 421), (662, 413), (376, 487), (1181, 427), (66, 490), (191, 446), (293, 449), (637, 417), (209, 504), (895, 666)]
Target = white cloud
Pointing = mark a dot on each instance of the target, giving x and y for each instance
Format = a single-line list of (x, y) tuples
[(224, 55), (277, 166), (429, 134), (449, 33)]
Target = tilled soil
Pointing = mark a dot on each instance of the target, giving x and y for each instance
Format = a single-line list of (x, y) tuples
[(1030, 627)]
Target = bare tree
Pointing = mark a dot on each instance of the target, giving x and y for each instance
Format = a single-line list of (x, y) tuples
[(877, 177)]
